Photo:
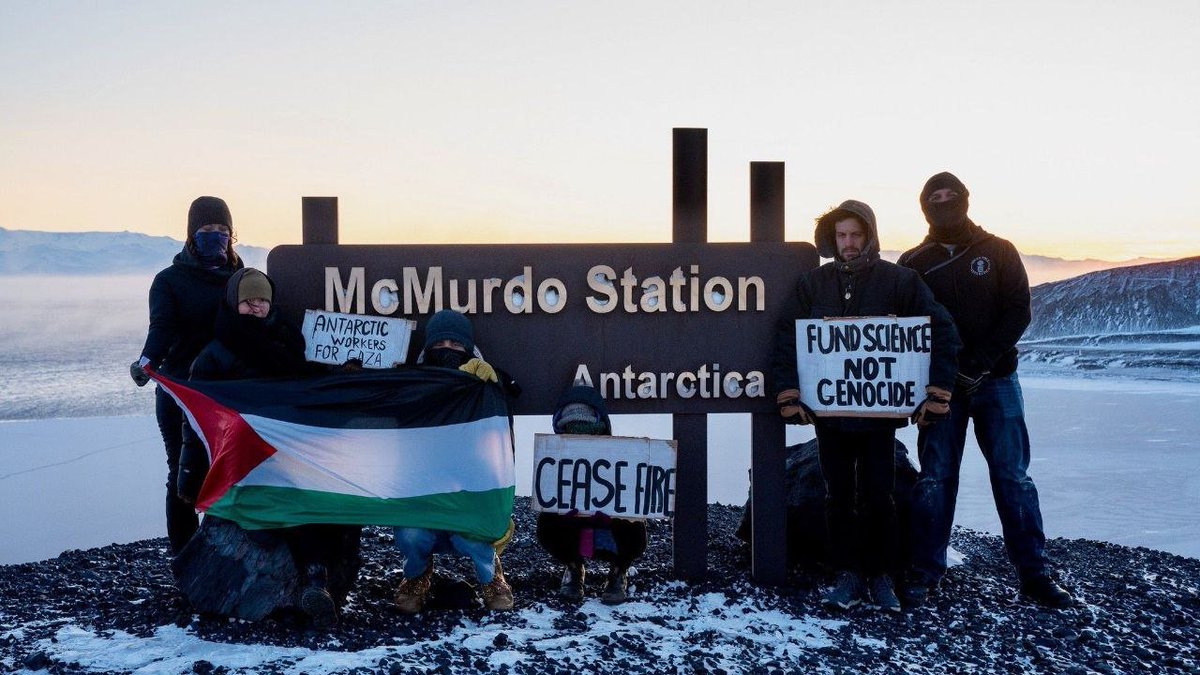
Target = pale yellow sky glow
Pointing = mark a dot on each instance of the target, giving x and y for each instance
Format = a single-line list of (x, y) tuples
[(1073, 123)]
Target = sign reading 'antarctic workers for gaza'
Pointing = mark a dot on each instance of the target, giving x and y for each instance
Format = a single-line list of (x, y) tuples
[(655, 327)]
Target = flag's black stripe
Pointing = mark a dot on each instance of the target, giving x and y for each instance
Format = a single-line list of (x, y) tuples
[(376, 399)]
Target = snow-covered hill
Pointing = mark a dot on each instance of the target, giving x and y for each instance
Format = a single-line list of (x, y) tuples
[(1146, 298), (75, 253)]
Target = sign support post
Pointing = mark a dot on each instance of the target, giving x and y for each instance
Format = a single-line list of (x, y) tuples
[(689, 224)]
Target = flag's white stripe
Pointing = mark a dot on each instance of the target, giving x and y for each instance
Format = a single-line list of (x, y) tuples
[(387, 463)]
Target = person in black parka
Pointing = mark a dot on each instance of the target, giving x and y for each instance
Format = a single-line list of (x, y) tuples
[(857, 454), (252, 340), (570, 539), (183, 308)]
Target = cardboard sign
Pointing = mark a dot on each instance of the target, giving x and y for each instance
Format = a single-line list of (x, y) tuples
[(863, 366), (379, 342), (622, 477)]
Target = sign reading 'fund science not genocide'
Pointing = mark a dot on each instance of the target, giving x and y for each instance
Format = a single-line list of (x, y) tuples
[(863, 367)]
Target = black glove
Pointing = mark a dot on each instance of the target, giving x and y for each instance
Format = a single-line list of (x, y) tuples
[(794, 411), (188, 484), (140, 378), (967, 383)]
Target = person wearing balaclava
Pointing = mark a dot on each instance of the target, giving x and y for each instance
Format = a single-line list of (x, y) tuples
[(183, 309), (980, 279), (571, 539), (857, 454), (450, 343)]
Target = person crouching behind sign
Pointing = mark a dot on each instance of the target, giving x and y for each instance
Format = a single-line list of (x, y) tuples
[(252, 340), (857, 454), (570, 539), (450, 343)]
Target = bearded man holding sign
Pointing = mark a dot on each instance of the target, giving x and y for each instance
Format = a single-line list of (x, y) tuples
[(856, 452)]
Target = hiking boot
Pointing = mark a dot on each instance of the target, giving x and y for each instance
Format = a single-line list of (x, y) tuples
[(410, 595), (497, 594), (572, 583), (883, 594), (915, 593), (316, 601), (615, 588), (846, 593), (1044, 591)]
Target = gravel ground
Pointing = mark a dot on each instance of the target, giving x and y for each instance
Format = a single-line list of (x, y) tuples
[(1139, 613)]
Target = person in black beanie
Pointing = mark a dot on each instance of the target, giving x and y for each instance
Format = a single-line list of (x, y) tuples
[(571, 539), (981, 280), (183, 308)]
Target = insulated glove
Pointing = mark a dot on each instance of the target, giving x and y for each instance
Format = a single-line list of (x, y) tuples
[(792, 410), (481, 369), (935, 407), (968, 384), (140, 378)]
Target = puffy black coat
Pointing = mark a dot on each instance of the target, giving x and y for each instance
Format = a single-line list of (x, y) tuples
[(865, 286), (184, 299), (243, 347), (984, 286)]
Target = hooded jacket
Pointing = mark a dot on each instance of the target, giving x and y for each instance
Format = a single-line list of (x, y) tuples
[(984, 286), (865, 286)]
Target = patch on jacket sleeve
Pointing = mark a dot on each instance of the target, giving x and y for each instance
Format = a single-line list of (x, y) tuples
[(981, 265)]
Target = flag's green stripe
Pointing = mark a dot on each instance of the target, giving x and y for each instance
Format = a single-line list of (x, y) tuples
[(483, 515)]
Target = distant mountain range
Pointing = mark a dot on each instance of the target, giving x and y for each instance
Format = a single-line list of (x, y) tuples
[(79, 253)]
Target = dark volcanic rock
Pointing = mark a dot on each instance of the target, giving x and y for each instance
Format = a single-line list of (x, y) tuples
[(1139, 612)]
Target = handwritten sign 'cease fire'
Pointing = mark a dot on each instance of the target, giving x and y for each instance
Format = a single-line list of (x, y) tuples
[(863, 367), (619, 476), (335, 338)]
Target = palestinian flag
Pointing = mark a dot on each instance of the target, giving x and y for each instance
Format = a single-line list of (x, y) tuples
[(414, 447)]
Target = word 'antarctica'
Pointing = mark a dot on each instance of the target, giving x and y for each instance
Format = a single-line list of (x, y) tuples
[(609, 291)]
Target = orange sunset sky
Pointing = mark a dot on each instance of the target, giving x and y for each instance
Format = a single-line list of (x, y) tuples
[(1073, 123)]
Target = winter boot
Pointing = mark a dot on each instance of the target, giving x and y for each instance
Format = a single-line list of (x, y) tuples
[(883, 594), (572, 582), (1045, 592), (410, 595), (316, 600), (615, 588), (497, 594), (846, 593)]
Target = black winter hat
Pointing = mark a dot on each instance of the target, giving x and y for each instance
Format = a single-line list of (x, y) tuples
[(450, 325), (941, 180), (208, 211)]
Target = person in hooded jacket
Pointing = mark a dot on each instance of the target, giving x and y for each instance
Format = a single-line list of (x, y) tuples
[(570, 539), (981, 280), (252, 340), (450, 343), (183, 308), (857, 454)]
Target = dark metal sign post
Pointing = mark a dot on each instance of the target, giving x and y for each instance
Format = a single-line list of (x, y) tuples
[(684, 328)]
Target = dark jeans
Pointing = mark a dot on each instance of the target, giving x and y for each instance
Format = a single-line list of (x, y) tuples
[(999, 414), (859, 468), (181, 516)]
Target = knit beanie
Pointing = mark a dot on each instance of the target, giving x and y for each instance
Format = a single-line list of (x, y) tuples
[(948, 222), (942, 180), (254, 284), (575, 412), (208, 211), (450, 325)]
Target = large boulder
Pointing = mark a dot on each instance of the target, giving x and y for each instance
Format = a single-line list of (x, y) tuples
[(807, 540), (229, 571)]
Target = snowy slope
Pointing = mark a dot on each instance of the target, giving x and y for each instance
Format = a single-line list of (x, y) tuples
[(31, 252), (1156, 297)]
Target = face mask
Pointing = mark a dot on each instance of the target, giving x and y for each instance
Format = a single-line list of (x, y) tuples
[(212, 247), (582, 427), (445, 357)]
